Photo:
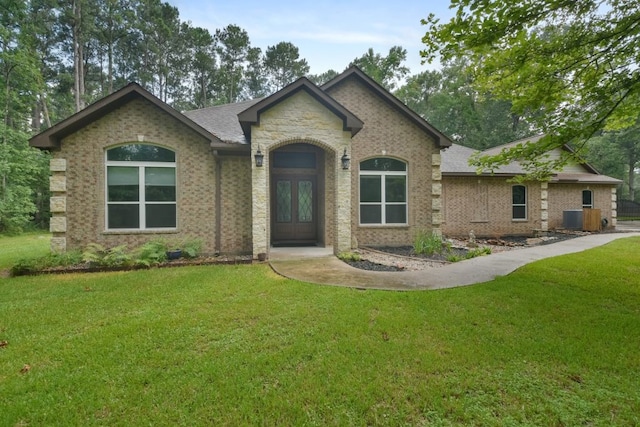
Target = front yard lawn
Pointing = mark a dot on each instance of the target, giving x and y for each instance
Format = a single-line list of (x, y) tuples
[(555, 343)]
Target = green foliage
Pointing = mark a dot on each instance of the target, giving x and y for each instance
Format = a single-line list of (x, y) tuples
[(472, 253), (428, 243), (386, 70), (574, 62), (191, 248), (151, 253), (349, 256), (283, 65), (35, 265), (99, 256)]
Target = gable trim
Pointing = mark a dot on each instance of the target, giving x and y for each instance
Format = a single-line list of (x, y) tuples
[(251, 116), (52, 137)]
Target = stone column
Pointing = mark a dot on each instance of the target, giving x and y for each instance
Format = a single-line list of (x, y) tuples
[(436, 194), (342, 214), (614, 207), (260, 204), (544, 206), (58, 204)]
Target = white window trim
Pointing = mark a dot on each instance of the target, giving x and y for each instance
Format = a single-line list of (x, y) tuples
[(513, 205), (383, 197), (142, 203)]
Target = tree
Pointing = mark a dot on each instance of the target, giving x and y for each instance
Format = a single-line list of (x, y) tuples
[(386, 70), (448, 100), (574, 61), (282, 65), (232, 48), (320, 79)]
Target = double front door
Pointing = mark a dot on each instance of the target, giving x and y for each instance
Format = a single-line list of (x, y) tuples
[(294, 209)]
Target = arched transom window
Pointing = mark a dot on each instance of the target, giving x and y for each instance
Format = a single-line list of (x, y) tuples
[(383, 191), (141, 187)]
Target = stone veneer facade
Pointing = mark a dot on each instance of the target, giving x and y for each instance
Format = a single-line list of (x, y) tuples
[(300, 118)]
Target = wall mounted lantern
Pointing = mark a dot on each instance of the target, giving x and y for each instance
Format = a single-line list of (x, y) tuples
[(259, 158), (346, 160)]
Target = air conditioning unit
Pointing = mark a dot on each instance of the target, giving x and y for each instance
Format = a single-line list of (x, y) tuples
[(572, 219)]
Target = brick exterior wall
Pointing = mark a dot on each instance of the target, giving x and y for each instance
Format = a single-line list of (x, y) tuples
[(564, 197), (235, 209), (483, 205), (387, 133), (136, 122)]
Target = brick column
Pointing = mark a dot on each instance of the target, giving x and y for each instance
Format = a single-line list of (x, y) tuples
[(58, 204)]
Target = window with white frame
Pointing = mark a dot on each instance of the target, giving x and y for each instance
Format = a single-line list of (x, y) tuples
[(383, 191), (141, 187), (587, 198), (519, 202)]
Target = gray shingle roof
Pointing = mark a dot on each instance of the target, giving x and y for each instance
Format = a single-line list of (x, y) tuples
[(222, 120), (455, 161)]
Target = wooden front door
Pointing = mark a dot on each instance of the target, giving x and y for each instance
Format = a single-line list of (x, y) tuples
[(294, 210)]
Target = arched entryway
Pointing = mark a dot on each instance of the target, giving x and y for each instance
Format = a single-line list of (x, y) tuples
[(298, 195)]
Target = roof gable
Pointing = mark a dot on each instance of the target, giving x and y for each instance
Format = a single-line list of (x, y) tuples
[(353, 71), (51, 138), (251, 115)]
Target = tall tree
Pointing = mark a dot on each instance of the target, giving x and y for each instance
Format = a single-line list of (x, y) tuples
[(283, 65), (232, 48), (322, 78), (386, 70), (576, 61)]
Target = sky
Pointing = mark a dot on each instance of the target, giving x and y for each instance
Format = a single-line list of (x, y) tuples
[(329, 33)]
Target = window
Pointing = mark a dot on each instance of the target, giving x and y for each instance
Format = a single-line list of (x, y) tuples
[(383, 191), (141, 187), (519, 202), (587, 198)]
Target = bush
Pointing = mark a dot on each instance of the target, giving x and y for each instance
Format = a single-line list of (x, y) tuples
[(191, 248), (429, 243), (349, 256), (35, 265), (151, 253), (96, 255)]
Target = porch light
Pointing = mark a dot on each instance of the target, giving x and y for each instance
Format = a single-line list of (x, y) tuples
[(259, 158), (346, 160)]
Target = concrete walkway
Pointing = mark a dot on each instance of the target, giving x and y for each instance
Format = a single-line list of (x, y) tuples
[(326, 269)]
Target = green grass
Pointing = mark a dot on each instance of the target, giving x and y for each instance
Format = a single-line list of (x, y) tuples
[(555, 343), (29, 245)]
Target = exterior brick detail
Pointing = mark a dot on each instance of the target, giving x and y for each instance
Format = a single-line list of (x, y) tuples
[(388, 133), (58, 204), (58, 224), (58, 165), (58, 183), (58, 244), (84, 152), (564, 197)]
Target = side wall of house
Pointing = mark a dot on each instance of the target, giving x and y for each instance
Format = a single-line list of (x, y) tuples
[(82, 155), (564, 197), (388, 133), (235, 204), (483, 205)]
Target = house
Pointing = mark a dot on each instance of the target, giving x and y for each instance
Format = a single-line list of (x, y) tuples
[(345, 164), (492, 205)]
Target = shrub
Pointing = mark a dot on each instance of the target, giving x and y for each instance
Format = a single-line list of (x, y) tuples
[(429, 243), (95, 254), (349, 256), (35, 265), (191, 248), (151, 253)]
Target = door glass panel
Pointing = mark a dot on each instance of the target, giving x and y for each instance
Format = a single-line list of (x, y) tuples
[(283, 201), (305, 201)]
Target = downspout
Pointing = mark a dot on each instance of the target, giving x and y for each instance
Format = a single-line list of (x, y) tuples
[(218, 202)]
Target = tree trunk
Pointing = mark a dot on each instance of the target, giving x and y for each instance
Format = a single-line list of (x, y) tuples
[(78, 62)]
